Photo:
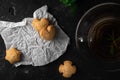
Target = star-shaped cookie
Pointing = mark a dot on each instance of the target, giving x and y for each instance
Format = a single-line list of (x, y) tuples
[(13, 55)]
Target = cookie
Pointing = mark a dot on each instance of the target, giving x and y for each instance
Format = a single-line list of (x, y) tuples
[(67, 69), (12, 55), (38, 24), (48, 33)]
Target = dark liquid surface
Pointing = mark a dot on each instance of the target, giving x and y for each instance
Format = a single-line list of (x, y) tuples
[(106, 40)]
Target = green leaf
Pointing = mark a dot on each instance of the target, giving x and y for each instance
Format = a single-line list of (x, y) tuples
[(112, 50), (73, 9), (68, 2), (71, 4)]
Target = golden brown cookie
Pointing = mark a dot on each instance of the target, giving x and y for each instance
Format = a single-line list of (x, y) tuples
[(48, 32), (38, 24), (67, 69), (12, 55)]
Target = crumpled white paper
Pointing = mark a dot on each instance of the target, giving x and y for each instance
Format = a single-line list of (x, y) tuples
[(35, 51)]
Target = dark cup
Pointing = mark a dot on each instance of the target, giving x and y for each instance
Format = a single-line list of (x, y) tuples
[(98, 33)]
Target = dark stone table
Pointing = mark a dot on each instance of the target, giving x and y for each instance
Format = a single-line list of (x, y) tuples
[(87, 67)]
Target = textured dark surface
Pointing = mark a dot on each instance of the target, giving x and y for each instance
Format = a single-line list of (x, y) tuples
[(87, 69)]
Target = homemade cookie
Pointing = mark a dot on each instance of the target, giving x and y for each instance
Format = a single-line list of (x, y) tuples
[(48, 32), (67, 69), (38, 24), (12, 55)]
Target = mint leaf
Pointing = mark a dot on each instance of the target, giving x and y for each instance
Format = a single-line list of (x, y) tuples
[(68, 2)]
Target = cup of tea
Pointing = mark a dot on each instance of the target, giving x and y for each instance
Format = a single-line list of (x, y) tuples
[(99, 28), (104, 38)]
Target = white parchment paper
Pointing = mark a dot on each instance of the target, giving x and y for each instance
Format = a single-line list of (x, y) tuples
[(35, 51)]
